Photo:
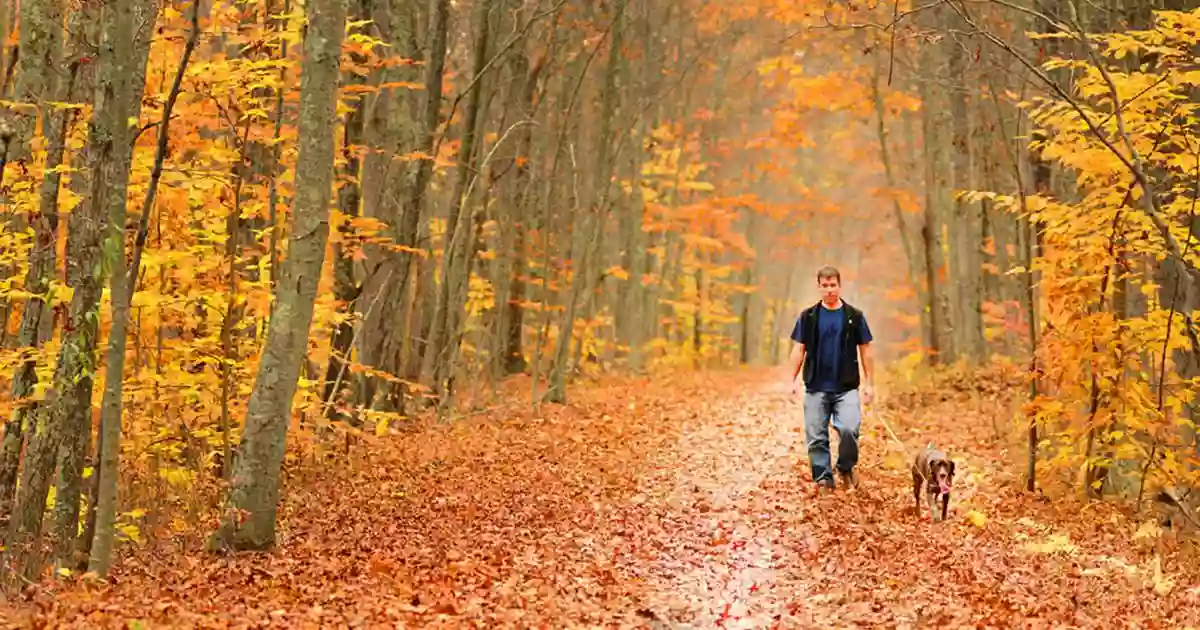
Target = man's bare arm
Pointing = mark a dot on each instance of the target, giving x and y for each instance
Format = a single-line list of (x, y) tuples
[(868, 368), (797, 361)]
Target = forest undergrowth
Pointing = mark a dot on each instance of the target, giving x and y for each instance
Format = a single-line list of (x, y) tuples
[(655, 502)]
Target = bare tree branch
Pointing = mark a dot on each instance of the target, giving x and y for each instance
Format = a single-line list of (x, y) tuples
[(1133, 161)]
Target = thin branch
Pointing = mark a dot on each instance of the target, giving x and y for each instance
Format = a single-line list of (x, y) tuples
[(1163, 79), (488, 66), (1037, 14), (892, 41), (160, 153), (1133, 162), (897, 15), (1153, 204)]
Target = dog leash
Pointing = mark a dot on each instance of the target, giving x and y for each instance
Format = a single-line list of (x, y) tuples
[(879, 416)]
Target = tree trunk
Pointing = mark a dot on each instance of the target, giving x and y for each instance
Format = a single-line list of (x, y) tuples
[(912, 257), (391, 131), (409, 199), (587, 234), (66, 419), (510, 359), (40, 37), (124, 284), (345, 289), (254, 489), (934, 123), (1032, 250), (84, 27), (966, 238), (633, 298), (435, 360)]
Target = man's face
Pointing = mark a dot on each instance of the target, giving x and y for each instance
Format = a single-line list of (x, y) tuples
[(831, 289)]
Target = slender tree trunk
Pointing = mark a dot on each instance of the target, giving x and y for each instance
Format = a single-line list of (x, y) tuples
[(255, 486), (911, 255), (345, 289), (640, 312), (391, 129), (589, 230), (1033, 242), (412, 199), (85, 27), (124, 284), (67, 511), (40, 42), (511, 358), (935, 122), (66, 418), (967, 242), (437, 353)]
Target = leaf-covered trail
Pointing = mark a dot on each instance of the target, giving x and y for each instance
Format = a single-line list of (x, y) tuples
[(651, 504), (783, 555)]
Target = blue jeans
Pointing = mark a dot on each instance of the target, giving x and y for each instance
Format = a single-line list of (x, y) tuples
[(843, 409)]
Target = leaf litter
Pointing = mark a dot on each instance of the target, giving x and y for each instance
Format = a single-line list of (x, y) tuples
[(652, 503)]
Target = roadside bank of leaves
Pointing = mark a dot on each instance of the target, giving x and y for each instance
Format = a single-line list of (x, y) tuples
[(503, 519)]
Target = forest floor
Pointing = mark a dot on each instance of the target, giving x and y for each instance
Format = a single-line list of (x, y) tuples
[(682, 503)]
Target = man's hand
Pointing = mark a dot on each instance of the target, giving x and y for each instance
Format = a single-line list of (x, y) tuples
[(868, 394)]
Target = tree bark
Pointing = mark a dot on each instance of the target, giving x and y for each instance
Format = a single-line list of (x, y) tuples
[(435, 360), (404, 198), (65, 420), (586, 234), (40, 43), (911, 255), (349, 195), (516, 218), (937, 200), (249, 521), (124, 284)]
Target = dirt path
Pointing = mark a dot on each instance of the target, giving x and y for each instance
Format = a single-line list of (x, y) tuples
[(781, 555), (667, 505)]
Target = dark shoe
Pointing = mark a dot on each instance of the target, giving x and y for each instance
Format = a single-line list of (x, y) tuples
[(849, 479), (825, 485)]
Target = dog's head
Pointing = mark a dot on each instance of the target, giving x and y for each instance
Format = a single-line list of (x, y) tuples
[(941, 472)]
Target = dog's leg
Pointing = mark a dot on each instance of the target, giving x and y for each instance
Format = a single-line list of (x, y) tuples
[(931, 497), (945, 504)]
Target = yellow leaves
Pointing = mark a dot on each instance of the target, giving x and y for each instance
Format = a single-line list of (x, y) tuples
[(127, 526), (359, 42), (1052, 544), (618, 272), (976, 518), (698, 186), (180, 478), (480, 295), (704, 243)]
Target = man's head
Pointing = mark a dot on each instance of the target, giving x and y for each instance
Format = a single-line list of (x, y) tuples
[(829, 280)]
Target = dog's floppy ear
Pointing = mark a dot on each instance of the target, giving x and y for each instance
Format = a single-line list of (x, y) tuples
[(952, 468)]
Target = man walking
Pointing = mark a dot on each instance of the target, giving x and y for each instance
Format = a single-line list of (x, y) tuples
[(828, 339)]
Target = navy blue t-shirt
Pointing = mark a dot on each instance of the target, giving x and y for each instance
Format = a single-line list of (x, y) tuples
[(828, 356)]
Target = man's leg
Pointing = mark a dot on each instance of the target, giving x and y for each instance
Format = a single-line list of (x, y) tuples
[(847, 419), (816, 432)]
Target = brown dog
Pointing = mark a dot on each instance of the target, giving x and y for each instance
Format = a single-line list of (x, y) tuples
[(934, 470)]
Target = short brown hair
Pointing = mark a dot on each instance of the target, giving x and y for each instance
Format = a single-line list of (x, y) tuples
[(829, 271)]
